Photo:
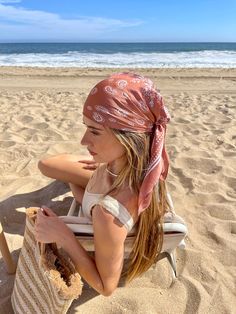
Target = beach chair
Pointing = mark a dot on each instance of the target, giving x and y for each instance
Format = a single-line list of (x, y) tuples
[(174, 227), (175, 231)]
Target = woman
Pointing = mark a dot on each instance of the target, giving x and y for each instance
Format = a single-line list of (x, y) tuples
[(126, 125)]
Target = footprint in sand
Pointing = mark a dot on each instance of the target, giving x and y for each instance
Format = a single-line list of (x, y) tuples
[(231, 182), (40, 126), (25, 119), (207, 187), (7, 144), (207, 198), (50, 134), (200, 153), (229, 146), (219, 132), (181, 120), (220, 211), (187, 182), (233, 227), (192, 288), (224, 234), (204, 165), (227, 153), (191, 130)]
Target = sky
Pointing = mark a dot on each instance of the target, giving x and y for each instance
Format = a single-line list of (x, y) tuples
[(118, 21)]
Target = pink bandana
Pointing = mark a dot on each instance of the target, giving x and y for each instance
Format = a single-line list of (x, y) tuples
[(129, 102)]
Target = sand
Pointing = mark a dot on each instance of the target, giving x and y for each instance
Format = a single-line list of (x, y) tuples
[(41, 115)]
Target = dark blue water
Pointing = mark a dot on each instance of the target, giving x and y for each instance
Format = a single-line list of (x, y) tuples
[(111, 48)]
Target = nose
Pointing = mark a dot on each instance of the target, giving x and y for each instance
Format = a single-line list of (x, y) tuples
[(84, 141)]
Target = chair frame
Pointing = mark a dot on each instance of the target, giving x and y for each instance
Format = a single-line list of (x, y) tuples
[(174, 235)]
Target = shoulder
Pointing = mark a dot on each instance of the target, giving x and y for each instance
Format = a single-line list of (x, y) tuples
[(125, 195), (129, 200)]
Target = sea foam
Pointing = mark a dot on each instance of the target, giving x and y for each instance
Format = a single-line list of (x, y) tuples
[(190, 59)]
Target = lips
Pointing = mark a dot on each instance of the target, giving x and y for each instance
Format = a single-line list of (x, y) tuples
[(92, 153)]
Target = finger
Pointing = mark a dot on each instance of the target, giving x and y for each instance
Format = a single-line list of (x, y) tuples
[(87, 161), (40, 215), (48, 211), (40, 218), (38, 237), (89, 167)]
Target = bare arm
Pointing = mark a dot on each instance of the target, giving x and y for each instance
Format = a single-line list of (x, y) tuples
[(104, 272), (101, 273), (50, 228), (77, 191), (68, 168)]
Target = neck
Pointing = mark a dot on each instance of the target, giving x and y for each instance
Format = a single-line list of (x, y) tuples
[(111, 172), (115, 167)]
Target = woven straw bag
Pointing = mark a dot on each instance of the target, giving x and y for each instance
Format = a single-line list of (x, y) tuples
[(46, 280)]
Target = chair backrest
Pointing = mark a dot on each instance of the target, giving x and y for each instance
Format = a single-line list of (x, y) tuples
[(174, 227)]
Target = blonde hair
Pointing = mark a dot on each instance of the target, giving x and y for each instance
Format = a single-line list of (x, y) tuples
[(149, 237)]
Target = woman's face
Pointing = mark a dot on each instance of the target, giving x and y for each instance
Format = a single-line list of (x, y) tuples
[(101, 142)]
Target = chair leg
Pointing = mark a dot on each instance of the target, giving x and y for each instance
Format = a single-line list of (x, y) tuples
[(171, 259), (10, 264), (72, 208)]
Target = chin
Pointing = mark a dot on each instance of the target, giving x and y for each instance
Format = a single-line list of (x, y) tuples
[(97, 158), (100, 160)]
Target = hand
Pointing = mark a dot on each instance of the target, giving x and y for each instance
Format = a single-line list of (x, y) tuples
[(49, 228), (89, 164)]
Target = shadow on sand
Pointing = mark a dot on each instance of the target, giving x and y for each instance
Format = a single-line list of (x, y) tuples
[(58, 197)]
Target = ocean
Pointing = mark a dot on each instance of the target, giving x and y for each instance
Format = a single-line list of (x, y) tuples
[(118, 55)]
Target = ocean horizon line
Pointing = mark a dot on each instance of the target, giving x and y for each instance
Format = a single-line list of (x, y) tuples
[(118, 42)]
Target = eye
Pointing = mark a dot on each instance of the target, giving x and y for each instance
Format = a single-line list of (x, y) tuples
[(92, 131), (95, 133)]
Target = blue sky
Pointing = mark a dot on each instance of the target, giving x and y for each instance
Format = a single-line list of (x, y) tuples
[(118, 21)]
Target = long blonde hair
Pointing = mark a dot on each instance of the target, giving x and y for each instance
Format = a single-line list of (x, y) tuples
[(149, 237)]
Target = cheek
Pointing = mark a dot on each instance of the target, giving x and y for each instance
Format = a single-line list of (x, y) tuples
[(121, 150), (116, 150), (109, 147)]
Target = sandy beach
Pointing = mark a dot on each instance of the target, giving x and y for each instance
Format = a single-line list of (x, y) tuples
[(41, 115)]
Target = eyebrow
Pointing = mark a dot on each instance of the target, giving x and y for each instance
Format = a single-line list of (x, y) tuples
[(92, 127)]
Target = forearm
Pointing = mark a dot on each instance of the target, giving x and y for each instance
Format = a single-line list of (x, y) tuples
[(66, 168), (84, 263)]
